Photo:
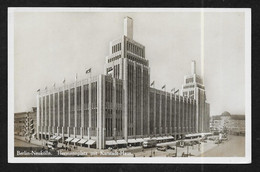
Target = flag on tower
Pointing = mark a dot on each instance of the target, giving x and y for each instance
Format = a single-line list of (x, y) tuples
[(152, 83), (88, 71), (38, 90), (173, 90), (64, 81), (163, 86), (176, 91), (76, 77)]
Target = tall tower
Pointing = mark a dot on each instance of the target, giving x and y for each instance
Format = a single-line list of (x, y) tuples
[(127, 61), (193, 87)]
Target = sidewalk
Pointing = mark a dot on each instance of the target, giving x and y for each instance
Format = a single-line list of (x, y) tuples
[(33, 140)]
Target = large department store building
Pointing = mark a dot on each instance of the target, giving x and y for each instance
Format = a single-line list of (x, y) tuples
[(119, 107)]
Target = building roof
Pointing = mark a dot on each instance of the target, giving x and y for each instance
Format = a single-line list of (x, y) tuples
[(225, 114), (238, 117), (234, 117)]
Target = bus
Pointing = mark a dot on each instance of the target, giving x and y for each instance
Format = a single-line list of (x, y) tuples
[(149, 143)]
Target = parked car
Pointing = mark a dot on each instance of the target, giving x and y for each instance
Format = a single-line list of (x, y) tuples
[(170, 147), (171, 155), (196, 142), (224, 139), (188, 143), (217, 141), (161, 148), (204, 141)]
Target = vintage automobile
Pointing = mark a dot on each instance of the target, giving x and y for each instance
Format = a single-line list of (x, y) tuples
[(170, 147), (161, 148), (217, 141)]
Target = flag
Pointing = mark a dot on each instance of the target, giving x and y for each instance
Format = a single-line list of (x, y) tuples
[(173, 90), (88, 71), (152, 83), (76, 77), (176, 91), (38, 90), (110, 71), (163, 86)]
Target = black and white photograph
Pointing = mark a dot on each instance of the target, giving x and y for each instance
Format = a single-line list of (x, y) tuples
[(128, 85)]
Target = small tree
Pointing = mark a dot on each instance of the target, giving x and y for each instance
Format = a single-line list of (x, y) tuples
[(28, 128)]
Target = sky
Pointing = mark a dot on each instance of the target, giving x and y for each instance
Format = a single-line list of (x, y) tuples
[(51, 46)]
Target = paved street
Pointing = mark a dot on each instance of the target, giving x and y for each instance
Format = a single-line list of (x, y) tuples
[(235, 147)]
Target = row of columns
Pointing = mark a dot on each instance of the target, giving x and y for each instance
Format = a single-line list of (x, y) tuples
[(50, 129)]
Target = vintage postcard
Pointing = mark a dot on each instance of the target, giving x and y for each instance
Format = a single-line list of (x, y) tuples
[(129, 85)]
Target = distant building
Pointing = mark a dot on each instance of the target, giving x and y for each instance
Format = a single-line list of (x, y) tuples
[(19, 120), (233, 124)]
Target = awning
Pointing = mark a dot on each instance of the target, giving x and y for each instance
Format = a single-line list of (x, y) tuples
[(207, 134), (165, 137), (159, 138), (140, 140), (68, 139), (75, 140), (111, 142), (192, 135), (132, 141), (50, 143), (58, 138), (82, 141), (53, 137), (90, 142), (121, 142), (170, 137)]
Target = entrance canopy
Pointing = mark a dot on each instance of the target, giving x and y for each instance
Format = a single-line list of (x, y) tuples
[(82, 141), (147, 138), (132, 141), (140, 140), (58, 138), (159, 138), (121, 142), (193, 135), (90, 142), (170, 137), (53, 137), (75, 140), (111, 142), (68, 139)]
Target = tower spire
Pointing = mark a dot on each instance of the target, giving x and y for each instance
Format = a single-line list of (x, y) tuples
[(128, 27), (193, 67)]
